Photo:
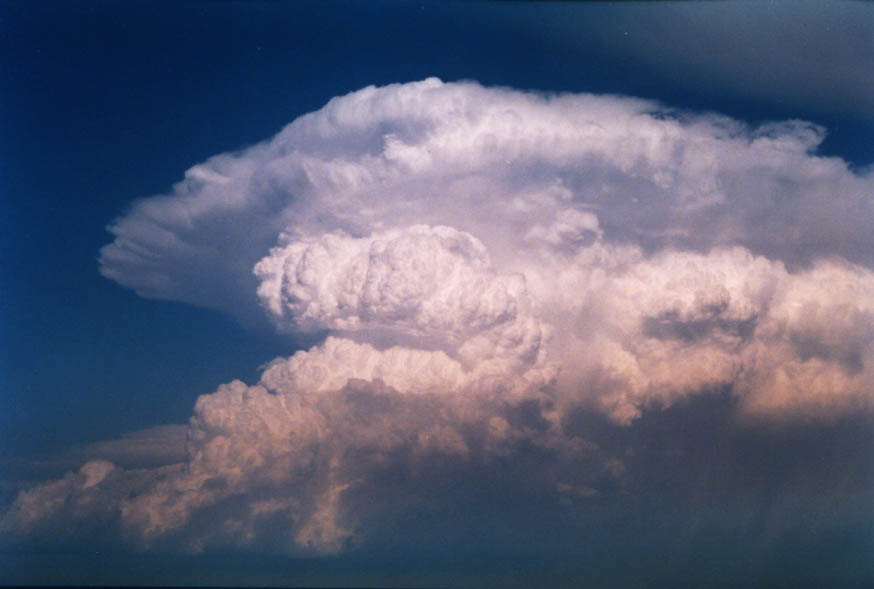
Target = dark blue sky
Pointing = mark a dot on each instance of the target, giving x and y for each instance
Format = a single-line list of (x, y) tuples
[(102, 103)]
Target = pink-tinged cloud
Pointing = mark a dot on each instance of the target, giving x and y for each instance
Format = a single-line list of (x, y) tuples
[(486, 264)]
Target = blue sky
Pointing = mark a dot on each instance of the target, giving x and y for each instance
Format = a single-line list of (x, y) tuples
[(108, 103)]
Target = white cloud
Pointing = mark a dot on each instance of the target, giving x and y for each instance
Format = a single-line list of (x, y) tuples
[(487, 263), (497, 164), (430, 291), (654, 330)]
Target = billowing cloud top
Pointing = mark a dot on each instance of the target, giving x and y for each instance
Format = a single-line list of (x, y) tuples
[(471, 252), (663, 252), (515, 170)]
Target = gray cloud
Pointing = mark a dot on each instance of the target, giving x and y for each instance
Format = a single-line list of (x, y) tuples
[(806, 54)]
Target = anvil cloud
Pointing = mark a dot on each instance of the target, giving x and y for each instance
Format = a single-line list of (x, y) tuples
[(484, 264)]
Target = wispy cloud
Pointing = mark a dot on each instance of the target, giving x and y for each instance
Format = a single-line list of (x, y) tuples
[(804, 55)]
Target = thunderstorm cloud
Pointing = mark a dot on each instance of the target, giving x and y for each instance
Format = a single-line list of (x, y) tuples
[(484, 266)]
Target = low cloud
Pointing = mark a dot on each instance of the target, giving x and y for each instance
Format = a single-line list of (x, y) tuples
[(319, 463), (155, 446), (488, 265)]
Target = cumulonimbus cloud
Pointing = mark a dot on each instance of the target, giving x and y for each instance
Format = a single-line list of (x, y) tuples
[(473, 251), (659, 249)]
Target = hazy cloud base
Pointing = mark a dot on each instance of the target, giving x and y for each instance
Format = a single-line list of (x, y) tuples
[(514, 286)]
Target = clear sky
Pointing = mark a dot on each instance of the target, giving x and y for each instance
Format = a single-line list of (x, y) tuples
[(584, 293)]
